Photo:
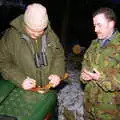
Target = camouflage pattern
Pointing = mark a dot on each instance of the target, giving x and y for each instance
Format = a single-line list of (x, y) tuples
[(102, 97)]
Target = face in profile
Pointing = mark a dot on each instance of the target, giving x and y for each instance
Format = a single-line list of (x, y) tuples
[(103, 26)]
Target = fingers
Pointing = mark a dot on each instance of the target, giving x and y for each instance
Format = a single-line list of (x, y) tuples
[(28, 83), (86, 75), (54, 79)]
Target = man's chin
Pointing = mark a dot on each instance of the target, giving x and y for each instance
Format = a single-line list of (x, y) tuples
[(34, 37), (99, 37)]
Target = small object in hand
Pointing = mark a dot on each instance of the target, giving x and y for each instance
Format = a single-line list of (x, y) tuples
[(46, 88), (94, 71)]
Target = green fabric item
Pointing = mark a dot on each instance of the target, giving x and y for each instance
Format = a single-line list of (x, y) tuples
[(5, 89), (6, 117), (25, 105)]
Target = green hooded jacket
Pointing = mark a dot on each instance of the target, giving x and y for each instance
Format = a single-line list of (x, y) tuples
[(17, 55), (102, 97)]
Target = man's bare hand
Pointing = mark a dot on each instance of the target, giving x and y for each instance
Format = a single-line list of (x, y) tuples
[(29, 83), (54, 79), (86, 75)]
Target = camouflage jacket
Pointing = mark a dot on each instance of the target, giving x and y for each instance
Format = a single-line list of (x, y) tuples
[(105, 92), (17, 59)]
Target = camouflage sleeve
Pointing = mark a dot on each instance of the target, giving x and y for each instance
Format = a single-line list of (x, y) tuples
[(87, 61), (84, 65), (109, 83)]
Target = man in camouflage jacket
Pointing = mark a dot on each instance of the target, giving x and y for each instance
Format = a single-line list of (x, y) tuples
[(22, 48), (101, 69)]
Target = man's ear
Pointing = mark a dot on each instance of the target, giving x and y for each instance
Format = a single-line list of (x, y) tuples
[(112, 24)]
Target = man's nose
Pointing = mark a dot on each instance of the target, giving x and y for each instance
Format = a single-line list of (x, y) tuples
[(96, 29)]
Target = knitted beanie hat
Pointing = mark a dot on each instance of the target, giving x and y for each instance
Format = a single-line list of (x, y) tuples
[(36, 16)]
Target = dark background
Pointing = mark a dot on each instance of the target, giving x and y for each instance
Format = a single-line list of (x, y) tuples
[(70, 19)]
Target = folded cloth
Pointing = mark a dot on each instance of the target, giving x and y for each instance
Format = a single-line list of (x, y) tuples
[(6, 117)]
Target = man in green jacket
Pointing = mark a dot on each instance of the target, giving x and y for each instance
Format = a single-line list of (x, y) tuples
[(101, 69), (30, 52)]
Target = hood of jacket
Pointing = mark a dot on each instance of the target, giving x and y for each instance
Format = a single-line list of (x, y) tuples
[(18, 24)]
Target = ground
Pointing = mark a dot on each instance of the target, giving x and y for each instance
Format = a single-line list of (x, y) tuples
[(70, 94)]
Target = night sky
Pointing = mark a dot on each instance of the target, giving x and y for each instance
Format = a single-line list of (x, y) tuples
[(70, 19)]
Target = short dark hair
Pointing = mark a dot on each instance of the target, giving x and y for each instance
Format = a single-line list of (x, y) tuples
[(108, 12)]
